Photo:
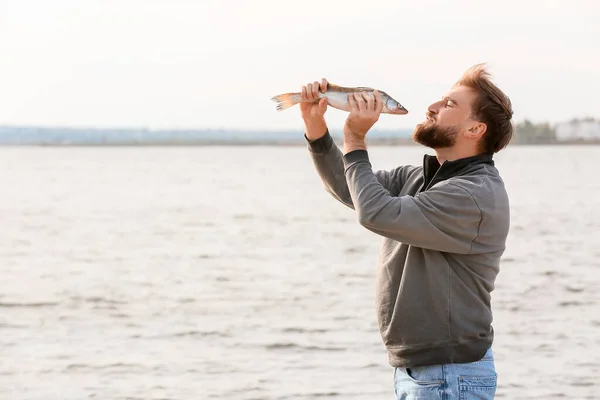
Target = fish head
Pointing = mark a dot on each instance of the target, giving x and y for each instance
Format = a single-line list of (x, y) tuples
[(394, 107)]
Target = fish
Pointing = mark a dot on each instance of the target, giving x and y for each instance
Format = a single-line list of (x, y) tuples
[(337, 97)]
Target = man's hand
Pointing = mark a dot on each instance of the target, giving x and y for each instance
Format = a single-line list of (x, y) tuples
[(365, 111), (313, 110)]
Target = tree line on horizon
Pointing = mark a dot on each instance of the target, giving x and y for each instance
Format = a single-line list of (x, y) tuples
[(526, 132)]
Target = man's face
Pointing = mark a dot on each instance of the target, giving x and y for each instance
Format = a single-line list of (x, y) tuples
[(447, 119)]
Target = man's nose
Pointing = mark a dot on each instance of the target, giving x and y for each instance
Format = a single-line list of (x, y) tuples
[(435, 107)]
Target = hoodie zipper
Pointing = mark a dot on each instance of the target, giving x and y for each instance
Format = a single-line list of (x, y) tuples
[(433, 178)]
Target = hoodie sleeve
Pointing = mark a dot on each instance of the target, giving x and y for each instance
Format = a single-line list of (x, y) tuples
[(444, 218), (329, 163)]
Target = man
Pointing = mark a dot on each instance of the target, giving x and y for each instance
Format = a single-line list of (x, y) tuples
[(444, 227)]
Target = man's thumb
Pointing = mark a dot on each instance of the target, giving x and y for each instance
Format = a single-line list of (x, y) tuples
[(323, 104)]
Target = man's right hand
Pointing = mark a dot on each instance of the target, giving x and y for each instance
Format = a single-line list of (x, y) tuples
[(313, 111)]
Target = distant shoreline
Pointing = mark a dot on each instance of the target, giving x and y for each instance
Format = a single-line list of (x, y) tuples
[(13, 136), (216, 143)]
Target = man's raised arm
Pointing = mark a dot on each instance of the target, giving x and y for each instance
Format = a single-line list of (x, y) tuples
[(327, 157)]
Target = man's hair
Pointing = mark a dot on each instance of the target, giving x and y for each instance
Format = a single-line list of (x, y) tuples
[(491, 106)]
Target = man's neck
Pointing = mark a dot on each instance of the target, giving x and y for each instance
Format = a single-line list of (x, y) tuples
[(453, 153)]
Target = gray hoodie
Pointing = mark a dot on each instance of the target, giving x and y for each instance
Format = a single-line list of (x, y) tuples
[(444, 230)]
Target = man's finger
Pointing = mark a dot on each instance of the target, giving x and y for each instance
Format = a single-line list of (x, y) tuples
[(324, 84), (370, 101), (316, 89), (309, 92), (378, 102), (360, 102), (352, 102), (304, 96)]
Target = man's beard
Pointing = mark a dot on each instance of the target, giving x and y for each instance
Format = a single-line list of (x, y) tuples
[(437, 137)]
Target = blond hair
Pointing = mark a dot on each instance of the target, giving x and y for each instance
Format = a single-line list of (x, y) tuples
[(491, 107)]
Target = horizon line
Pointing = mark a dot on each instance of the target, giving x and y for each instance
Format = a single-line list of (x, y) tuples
[(250, 129)]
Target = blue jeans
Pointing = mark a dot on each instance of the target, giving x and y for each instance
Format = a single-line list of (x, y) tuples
[(476, 380)]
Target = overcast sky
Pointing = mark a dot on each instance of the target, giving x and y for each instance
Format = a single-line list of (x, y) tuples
[(216, 63)]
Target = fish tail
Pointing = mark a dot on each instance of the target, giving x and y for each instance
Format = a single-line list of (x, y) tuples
[(287, 100)]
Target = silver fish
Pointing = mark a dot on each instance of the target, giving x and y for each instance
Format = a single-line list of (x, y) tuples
[(337, 97)]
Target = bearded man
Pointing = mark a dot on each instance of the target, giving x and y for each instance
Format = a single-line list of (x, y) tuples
[(443, 226)]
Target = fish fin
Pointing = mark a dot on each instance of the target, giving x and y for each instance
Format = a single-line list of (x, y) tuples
[(337, 88), (344, 89), (287, 100)]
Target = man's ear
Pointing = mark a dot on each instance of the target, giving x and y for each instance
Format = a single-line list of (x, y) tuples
[(477, 130)]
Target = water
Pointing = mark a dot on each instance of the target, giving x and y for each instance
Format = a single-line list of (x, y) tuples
[(229, 273)]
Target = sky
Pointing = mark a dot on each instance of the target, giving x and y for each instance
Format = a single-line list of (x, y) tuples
[(175, 64)]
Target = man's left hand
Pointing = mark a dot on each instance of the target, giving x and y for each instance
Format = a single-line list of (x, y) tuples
[(365, 111)]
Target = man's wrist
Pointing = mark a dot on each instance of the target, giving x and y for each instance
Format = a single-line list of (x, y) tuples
[(353, 141), (351, 144), (315, 128)]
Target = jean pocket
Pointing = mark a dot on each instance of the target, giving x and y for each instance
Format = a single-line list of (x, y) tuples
[(421, 378), (477, 387)]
